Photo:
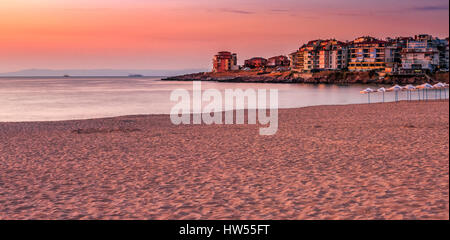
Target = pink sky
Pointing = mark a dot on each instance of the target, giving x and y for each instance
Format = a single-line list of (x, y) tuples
[(179, 34)]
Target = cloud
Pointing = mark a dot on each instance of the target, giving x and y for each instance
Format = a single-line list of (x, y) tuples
[(279, 10), (237, 11), (350, 14), (431, 8)]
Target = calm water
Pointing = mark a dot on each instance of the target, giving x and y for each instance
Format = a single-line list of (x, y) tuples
[(40, 99)]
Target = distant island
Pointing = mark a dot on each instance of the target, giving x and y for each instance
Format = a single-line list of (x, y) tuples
[(96, 72), (402, 60), (135, 75)]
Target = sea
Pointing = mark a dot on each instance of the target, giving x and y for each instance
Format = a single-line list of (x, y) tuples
[(67, 98)]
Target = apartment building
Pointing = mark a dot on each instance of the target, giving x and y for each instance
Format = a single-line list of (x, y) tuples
[(397, 44), (297, 59), (443, 54), (333, 55), (319, 55), (368, 53), (278, 61), (420, 55), (225, 61)]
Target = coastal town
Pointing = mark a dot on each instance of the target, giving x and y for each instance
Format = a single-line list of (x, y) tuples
[(366, 59)]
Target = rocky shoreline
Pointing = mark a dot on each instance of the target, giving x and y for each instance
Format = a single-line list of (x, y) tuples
[(326, 77)]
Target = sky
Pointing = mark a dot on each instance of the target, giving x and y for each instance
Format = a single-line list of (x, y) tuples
[(182, 34)]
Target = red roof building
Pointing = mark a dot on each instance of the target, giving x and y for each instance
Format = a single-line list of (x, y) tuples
[(278, 61), (224, 61), (256, 62)]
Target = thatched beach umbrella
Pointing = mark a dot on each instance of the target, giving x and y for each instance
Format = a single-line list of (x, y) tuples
[(367, 91), (383, 90), (395, 89)]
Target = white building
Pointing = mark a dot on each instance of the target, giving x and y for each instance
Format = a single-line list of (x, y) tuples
[(420, 56)]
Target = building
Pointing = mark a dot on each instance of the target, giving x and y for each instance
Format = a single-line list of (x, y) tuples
[(339, 57), (278, 61), (256, 62), (311, 56), (333, 55), (306, 59), (439, 45), (293, 58), (443, 54), (324, 56), (225, 61), (319, 55), (297, 60), (420, 55), (397, 44), (370, 54), (446, 54)]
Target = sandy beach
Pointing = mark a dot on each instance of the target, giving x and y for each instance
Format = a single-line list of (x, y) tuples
[(377, 161)]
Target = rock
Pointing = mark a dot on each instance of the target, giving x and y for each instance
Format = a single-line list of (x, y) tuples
[(325, 77)]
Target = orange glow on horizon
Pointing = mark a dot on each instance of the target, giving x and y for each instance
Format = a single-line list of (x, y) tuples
[(156, 34)]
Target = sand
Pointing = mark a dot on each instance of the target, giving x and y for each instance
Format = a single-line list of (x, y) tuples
[(377, 161)]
